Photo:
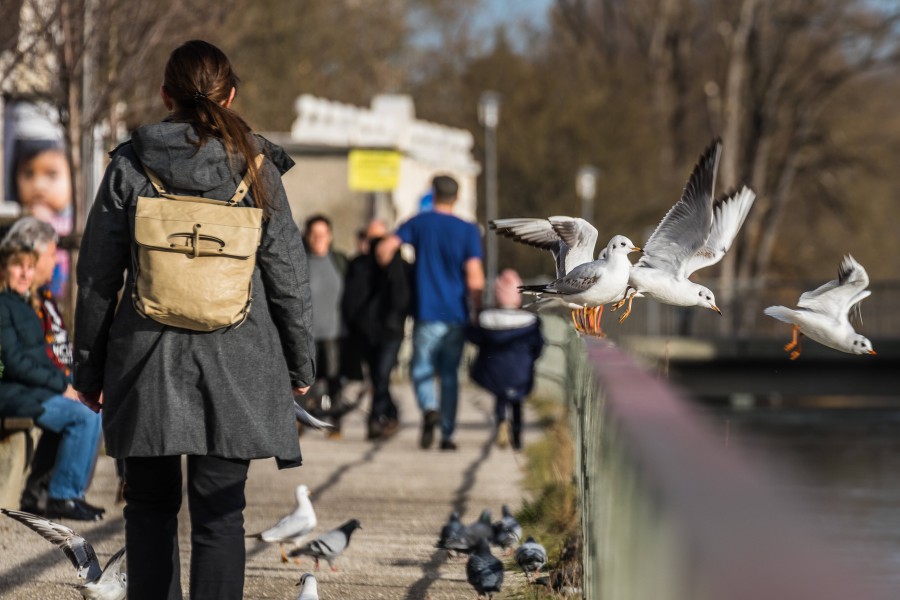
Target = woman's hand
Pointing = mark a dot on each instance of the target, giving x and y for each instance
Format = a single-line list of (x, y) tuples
[(93, 400), (70, 393), (300, 391)]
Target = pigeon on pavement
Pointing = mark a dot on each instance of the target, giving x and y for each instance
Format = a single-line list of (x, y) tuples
[(108, 583), (451, 530), (507, 532), (293, 527), (329, 545), (309, 589), (466, 540), (484, 571), (531, 557)]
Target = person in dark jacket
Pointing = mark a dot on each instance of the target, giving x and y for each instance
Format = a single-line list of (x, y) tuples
[(33, 386), (222, 397), (42, 238), (376, 303), (509, 341)]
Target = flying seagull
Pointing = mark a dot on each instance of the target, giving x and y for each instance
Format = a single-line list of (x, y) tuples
[(695, 233), (108, 583), (822, 314)]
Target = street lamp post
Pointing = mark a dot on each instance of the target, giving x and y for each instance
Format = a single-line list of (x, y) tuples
[(489, 117), (586, 188)]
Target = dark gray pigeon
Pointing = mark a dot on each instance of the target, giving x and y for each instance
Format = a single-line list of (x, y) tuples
[(531, 557), (451, 530), (108, 583), (484, 570), (328, 545), (507, 531), (468, 538)]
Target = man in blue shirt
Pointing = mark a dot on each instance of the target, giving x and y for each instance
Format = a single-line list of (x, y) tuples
[(448, 282)]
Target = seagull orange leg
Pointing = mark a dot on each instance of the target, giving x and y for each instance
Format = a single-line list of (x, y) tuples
[(795, 339), (284, 557), (796, 353), (627, 310)]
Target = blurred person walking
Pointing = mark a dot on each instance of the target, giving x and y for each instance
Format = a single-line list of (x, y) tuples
[(327, 269), (509, 340), (448, 282), (376, 303), (220, 397), (34, 385)]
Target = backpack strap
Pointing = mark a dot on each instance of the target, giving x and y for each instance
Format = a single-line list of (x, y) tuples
[(239, 194)]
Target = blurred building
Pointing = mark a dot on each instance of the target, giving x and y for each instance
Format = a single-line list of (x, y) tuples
[(330, 141)]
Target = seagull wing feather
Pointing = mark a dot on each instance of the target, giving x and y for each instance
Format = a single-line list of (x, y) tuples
[(686, 227), (729, 213), (76, 548)]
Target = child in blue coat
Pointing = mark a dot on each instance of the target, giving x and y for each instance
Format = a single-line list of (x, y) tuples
[(509, 341)]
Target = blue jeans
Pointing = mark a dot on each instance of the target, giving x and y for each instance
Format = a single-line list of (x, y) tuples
[(437, 350), (80, 430)]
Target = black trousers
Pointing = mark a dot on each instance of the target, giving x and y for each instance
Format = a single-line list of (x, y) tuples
[(381, 359), (215, 491)]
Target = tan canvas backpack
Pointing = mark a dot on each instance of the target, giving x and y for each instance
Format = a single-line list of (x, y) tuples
[(194, 258)]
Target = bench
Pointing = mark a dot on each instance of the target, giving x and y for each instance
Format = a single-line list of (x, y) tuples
[(16, 451)]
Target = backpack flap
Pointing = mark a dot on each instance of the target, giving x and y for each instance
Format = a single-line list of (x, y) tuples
[(194, 228)]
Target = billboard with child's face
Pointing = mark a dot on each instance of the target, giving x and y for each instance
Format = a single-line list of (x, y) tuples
[(36, 172)]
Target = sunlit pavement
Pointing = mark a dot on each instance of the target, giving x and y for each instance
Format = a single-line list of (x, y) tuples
[(401, 494)]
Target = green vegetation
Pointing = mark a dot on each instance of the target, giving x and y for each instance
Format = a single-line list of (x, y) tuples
[(552, 516)]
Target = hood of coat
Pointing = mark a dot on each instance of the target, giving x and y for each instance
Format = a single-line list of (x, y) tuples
[(169, 149)]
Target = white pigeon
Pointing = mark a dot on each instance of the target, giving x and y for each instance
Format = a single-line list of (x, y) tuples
[(591, 285), (309, 589), (822, 314), (571, 240), (108, 583), (292, 528), (695, 233)]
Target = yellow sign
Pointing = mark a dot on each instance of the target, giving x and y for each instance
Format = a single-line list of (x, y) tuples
[(373, 170)]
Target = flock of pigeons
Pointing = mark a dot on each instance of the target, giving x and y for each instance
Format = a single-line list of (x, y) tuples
[(484, 571), (696, 233)]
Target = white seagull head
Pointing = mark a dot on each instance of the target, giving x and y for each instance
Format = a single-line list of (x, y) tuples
[(620, 245), (705, 298), (860, 344)]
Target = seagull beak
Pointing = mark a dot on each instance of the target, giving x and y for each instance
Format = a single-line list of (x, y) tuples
[(716, 308), (873, 353), (635, 249)]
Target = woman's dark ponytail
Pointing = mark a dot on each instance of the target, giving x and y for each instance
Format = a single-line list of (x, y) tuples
[(199, 79)]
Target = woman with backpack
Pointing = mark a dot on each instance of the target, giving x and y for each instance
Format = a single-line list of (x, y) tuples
[(171, 377)]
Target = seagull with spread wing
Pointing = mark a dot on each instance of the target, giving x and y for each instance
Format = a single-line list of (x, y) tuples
[(695, 233), (570, 240), (822, 314), (591, 285), (108, 583)]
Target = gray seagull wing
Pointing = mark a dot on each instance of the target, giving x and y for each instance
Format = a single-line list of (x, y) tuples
[(76, 548), (838, 296), (686, 227), (729, 213)]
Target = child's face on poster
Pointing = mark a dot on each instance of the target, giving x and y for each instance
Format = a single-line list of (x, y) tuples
[(43, 182)]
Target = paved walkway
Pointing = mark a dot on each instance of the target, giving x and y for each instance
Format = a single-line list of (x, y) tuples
[(402, 496)]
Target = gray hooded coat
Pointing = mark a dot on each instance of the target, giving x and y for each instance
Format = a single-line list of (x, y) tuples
[(170, 391)]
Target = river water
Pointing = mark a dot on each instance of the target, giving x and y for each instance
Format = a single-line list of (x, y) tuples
[(843, 464)]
